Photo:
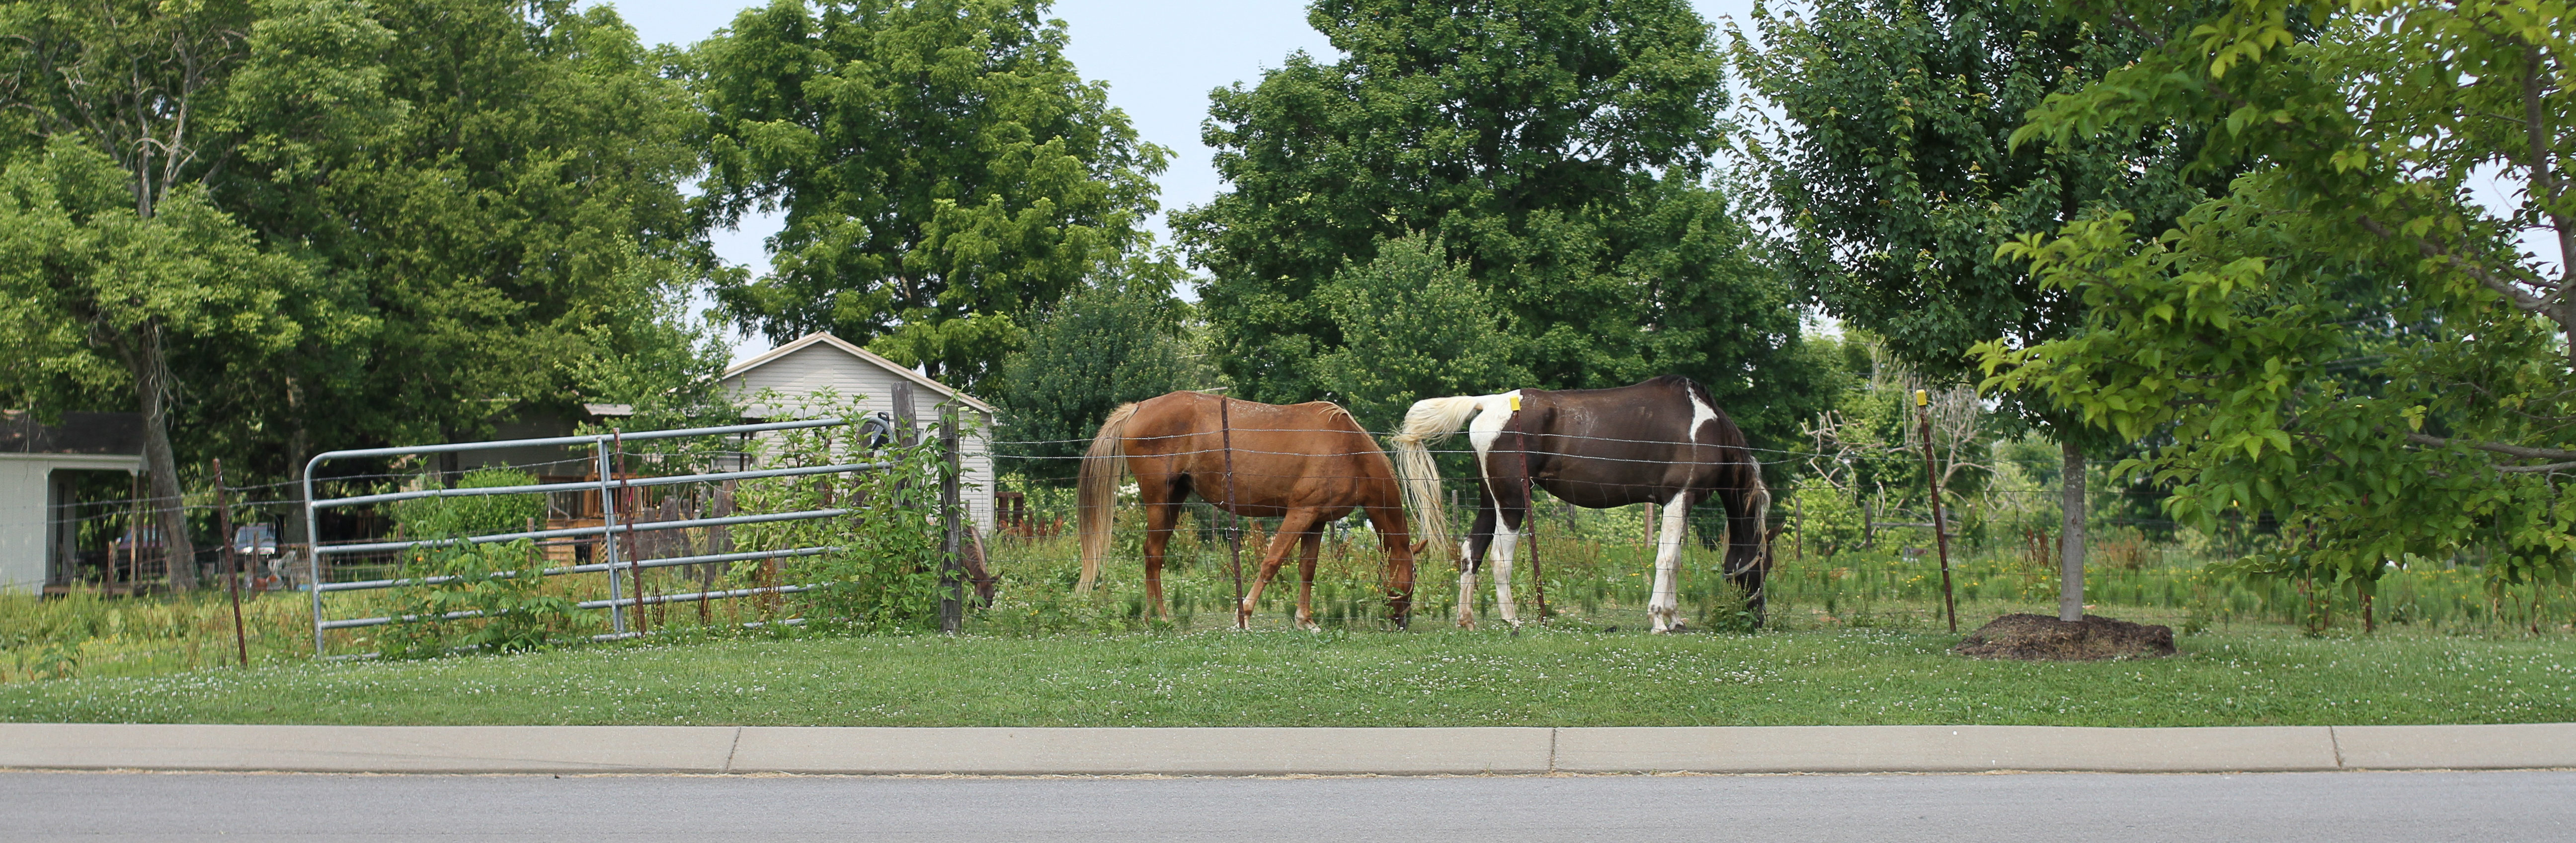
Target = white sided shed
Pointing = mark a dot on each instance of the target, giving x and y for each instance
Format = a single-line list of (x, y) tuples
[(39, 529), (819, 362)]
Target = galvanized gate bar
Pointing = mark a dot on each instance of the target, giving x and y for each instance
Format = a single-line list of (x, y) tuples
[(592, 568), (583, 439), (586, 486), (568, 532), (709, 595), (607, 526)]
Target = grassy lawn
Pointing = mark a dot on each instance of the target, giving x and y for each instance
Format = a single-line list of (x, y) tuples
[(1430, 678)]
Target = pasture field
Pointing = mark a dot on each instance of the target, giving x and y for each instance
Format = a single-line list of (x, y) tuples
[(1856, 639), (1423, 678)]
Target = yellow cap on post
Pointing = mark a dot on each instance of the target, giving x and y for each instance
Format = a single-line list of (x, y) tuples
[(1922, 397)]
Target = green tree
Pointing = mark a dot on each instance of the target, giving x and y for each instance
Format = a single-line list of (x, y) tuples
[(474, 196), (1555, 149), (1414, 326), (1896, 182), (2345, 341), (508, 212), (125, 101), (1115, 341), (93, 288), (946, 175)]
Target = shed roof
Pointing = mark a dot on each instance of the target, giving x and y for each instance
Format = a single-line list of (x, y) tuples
[(119, 434), (872, 358)]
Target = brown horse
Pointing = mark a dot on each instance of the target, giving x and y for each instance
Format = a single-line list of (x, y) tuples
[(1307, 464)]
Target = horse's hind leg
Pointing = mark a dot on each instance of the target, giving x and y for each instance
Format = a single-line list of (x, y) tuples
[(1308, 545), (1290, 528), (1471, 557), (1507, 481), (1159, 518), (1664, 608)]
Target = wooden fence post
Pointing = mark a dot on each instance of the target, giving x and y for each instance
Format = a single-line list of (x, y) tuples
[(901, 395), (1940, 525), (952, 580), (232, 564)]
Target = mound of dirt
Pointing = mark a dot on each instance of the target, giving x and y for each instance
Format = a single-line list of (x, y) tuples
[(2040, 638)]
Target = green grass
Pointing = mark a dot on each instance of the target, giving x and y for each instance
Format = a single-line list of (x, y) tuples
[(1427, 678), (1853, 639)]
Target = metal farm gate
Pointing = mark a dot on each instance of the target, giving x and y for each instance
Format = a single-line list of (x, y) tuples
[(876, 429)]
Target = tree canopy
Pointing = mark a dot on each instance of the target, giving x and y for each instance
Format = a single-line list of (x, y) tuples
[(1896, 180), (1553, 152), (946, 175), (429, 214), (2346, 341), (1116, 340)]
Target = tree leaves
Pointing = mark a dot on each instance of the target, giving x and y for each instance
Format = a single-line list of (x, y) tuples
[(2333, 344), (946, 174), (1552, 150)]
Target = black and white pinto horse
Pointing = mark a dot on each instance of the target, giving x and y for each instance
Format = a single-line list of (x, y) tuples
[(1662, 442)]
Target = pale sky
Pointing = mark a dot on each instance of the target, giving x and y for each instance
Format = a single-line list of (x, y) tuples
[(1159, 58)]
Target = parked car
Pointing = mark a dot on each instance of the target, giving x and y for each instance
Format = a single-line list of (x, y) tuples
[(255, 540)]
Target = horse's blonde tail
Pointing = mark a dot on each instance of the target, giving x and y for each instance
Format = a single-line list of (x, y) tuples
[(1096, 495), (1430, 420), (1760, 503)]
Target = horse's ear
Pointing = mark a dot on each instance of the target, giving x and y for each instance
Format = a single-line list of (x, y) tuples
[(1418, 546)]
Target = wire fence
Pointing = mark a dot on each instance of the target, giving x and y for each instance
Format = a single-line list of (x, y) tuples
[(115, 542), (1593, 566)]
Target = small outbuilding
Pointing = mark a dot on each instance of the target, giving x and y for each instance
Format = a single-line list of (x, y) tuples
[(819, 362), (39, 527)]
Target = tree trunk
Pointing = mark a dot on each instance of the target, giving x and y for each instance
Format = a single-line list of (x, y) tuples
[(152, 387), (299, 447), (2070, 535)]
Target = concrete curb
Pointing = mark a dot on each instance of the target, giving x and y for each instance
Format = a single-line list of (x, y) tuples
[(1279, 751)]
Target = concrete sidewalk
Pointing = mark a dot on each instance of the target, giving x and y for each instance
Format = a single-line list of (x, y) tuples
[(1260, 751)]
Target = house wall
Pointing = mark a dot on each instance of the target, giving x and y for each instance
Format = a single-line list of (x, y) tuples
[(810, 370), (26, 498)]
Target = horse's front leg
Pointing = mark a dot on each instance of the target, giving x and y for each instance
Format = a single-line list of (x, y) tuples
[(1308, 546), (1664, 608), (1297, 522)]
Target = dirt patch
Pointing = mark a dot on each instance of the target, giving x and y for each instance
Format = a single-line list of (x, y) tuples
[(2040, 638)]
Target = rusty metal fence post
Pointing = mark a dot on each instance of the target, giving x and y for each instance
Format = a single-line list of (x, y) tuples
[(1234, 514)]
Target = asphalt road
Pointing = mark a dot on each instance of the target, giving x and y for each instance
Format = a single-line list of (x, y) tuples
[(2336, 807)]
